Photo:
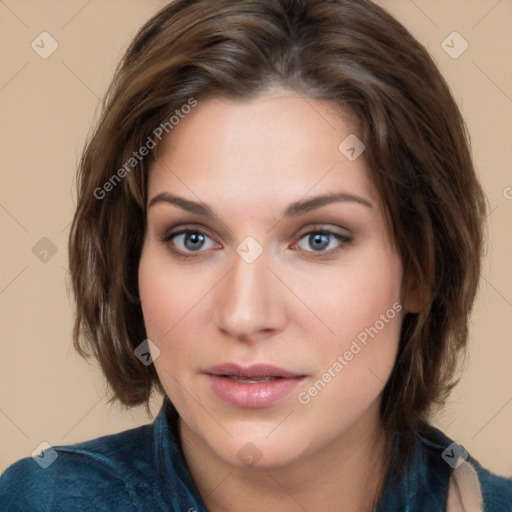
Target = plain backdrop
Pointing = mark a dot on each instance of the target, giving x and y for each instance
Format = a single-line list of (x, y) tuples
[(48, 393)]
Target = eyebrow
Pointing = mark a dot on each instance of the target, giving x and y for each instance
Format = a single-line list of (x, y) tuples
[(293, 210)]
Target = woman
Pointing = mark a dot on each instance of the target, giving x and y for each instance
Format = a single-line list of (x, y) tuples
[(271, 233)]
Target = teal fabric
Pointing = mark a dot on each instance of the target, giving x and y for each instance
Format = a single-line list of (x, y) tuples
[(143, 469)]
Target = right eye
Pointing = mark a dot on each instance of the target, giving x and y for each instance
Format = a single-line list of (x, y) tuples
[(185, 242)]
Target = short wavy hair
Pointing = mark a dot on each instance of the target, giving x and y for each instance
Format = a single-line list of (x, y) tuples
[(350, 53)]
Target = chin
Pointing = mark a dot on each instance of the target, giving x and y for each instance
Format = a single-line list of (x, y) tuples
[(255, 448), (257, 455)]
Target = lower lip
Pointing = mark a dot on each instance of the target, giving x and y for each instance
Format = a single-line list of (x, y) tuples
[(255, 395)]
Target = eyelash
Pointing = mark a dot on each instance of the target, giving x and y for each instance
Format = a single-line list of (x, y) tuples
[(344, 240)]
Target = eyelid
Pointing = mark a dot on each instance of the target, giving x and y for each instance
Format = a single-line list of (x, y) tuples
[(180, 228), (324, 228), (329, 229)]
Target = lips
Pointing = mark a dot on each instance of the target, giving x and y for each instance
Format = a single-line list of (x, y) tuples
[(257, 371), (255, 386)]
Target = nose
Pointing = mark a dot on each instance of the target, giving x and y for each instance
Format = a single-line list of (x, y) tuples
[(249, 301)]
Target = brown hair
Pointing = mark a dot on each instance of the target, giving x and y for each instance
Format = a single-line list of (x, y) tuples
[(349, 53)]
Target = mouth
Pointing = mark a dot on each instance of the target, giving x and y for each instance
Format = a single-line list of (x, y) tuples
[(256, 372), (255, 386), (249, 380)]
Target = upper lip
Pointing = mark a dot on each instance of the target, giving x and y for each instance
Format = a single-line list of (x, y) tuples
[(255, 370)]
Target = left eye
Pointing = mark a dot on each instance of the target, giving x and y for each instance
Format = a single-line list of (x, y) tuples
[(320, 240)]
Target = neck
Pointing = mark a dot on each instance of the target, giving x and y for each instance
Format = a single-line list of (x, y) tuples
[(346, 474)]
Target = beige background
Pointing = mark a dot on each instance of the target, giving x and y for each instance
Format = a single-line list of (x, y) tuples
[(47, 393)]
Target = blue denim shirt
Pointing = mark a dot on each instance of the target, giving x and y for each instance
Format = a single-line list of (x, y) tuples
[(143, 469)]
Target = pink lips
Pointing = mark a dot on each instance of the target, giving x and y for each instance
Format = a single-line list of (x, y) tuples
[(255, 386)]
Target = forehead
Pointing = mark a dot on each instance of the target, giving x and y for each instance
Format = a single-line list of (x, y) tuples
[(279, 146)]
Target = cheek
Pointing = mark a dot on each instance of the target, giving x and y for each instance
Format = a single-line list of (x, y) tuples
[(173, 299), (354, 366), (164, 302), (171, 305), (362, 306), (363, 293), (167, 295), (155, 298)]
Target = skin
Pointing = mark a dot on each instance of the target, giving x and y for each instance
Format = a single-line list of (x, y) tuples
[(248, 161)]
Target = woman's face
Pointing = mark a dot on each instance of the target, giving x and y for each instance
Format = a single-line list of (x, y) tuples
[(276, 312)]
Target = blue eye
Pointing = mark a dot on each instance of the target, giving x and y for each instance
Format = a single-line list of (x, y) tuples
[(191, 240), (320, 240)]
